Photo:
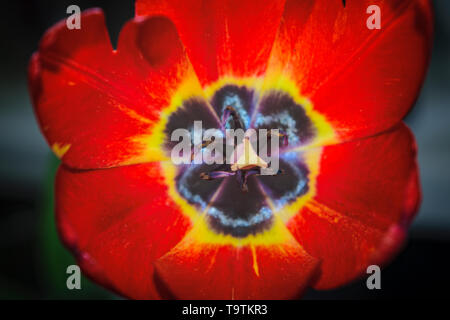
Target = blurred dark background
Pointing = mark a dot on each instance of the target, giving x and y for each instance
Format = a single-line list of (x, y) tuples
[(32, 261)]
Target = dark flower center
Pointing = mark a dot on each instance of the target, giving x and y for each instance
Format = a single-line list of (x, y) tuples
[(238, 200)]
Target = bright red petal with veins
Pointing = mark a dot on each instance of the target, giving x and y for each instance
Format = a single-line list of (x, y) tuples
[(363, 81), (222, 37), (367, 192), (96, 106), (118, 222), (212, 271)]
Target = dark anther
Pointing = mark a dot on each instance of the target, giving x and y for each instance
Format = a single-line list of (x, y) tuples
[(204, 145), (221, 171), (283, 136), (230, 111)]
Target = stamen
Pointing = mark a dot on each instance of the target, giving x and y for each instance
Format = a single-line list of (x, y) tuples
[(248, 162), (204, 145), (216, 175), (284, 137), (246, 174), (230, 111)]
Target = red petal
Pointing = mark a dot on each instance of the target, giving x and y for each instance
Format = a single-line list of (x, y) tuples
[(366, 194), (363, 81), (212, 271), (117, 222), (96, 106), (222, 37), (372, 176)]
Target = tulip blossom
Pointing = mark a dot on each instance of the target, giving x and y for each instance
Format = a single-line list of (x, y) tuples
[(347, 186)]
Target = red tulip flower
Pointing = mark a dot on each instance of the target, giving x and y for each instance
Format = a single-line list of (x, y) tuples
[(147, 228)]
